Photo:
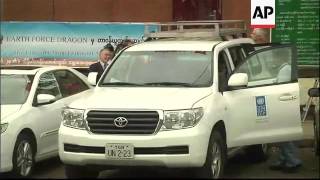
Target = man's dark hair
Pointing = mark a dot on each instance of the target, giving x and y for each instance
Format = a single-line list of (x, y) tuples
[(126, 42), (109, 47), (123, 44)]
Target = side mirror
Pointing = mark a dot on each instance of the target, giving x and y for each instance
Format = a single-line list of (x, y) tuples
[(43, 99), (92, 78), (238, 80), (313, 92)]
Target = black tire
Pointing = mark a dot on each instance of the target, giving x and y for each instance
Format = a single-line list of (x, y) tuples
[(216, 140), (72, 171), (258, 153), (23, 156)]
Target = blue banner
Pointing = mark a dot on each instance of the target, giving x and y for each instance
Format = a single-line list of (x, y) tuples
[(50, 40)]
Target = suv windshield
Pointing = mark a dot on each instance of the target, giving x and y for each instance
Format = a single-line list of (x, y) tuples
[(15, 88), (161, 68)]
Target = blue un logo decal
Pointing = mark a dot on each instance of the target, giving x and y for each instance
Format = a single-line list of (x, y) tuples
[(261, 106)]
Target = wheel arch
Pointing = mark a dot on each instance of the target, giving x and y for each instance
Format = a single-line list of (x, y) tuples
[(220, 126), (28, 132)]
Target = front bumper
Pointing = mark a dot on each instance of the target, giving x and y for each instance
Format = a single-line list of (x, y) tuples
[(7, 146), (178, 148)]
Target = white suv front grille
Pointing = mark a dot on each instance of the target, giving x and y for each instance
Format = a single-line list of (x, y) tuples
[(122, 122)]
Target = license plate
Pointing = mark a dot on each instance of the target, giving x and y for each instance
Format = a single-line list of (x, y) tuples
[(119, 151)]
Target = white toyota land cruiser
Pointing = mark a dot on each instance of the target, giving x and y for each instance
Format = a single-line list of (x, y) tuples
[(183, 102)]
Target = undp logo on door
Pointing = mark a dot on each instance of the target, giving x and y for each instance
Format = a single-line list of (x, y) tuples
[(263, 13)]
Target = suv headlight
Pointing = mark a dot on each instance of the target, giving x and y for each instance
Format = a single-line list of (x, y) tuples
[(181, 119), (73, 118), (4, 127)]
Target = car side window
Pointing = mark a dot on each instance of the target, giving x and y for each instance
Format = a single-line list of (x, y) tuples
[(269, 66), (69, 83), (237, 55), (224, 70), (48, 85)]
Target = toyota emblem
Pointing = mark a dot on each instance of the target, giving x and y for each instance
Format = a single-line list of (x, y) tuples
[(120, 122)]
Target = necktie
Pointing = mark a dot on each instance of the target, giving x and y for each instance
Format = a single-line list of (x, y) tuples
[(105, 65)]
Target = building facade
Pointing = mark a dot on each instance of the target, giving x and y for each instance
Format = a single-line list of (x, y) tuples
[(123, 10)]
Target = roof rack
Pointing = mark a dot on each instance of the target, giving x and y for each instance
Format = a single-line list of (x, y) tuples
[(224, 29)]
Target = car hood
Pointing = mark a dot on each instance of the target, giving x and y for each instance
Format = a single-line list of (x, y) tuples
[(8, 110), (140, 98)]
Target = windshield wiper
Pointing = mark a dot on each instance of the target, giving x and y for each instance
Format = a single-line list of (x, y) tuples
[(170, 84), (121, 83)]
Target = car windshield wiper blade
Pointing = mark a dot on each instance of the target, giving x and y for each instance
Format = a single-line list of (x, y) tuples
[(121, 83), (170, 84)]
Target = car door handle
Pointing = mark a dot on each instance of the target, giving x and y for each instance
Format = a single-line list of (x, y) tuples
[(287, 98)]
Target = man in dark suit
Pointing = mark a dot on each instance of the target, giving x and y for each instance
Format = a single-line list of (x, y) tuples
[(105, 57)]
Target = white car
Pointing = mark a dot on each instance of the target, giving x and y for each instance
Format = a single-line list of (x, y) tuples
[(31, 104), (182, 103)]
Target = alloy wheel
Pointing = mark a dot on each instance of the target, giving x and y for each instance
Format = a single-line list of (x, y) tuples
[(216, 160), (24, 158)]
